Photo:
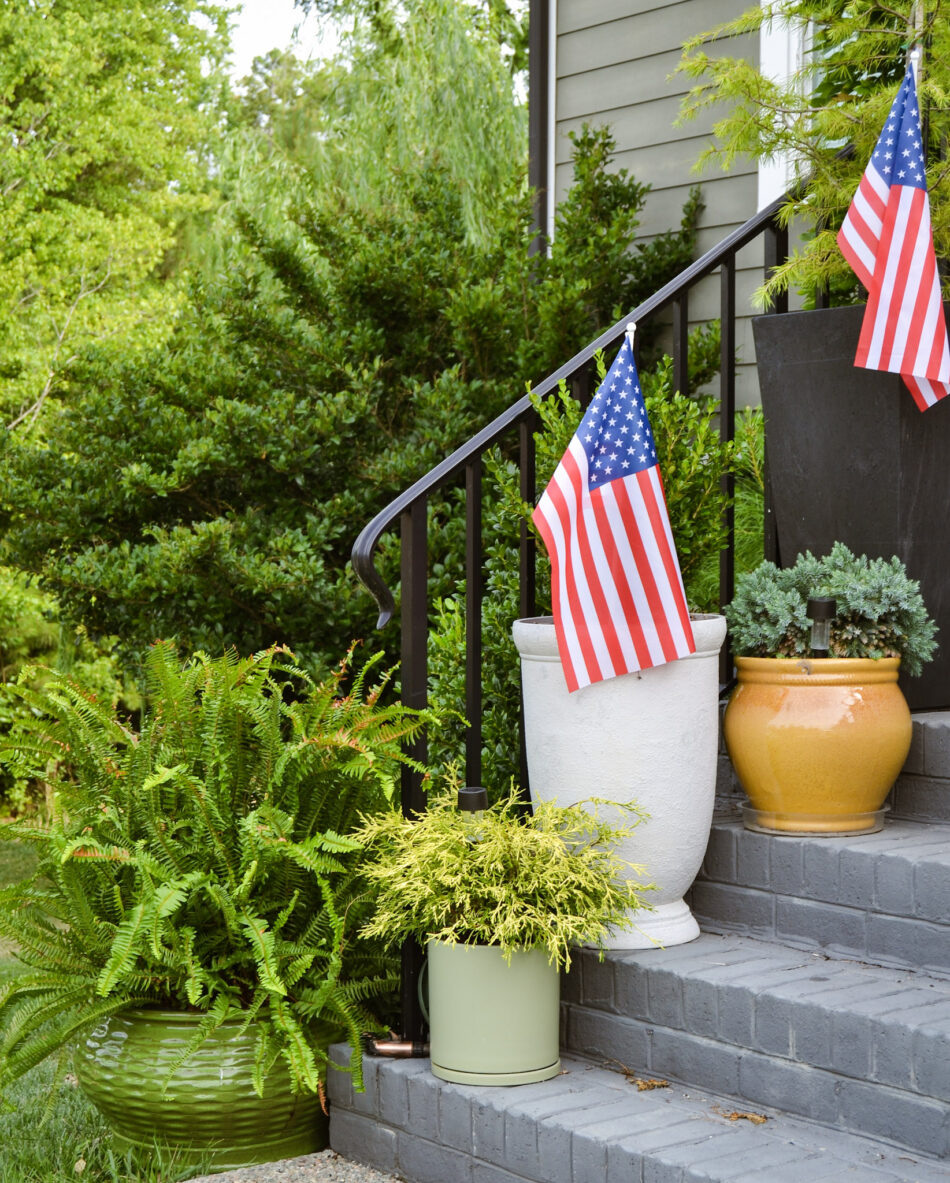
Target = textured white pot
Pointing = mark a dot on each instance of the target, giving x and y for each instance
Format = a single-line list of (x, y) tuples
[(651, 738)]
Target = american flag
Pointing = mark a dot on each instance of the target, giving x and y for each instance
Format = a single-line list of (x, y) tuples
[(887, 239), (617, 592)]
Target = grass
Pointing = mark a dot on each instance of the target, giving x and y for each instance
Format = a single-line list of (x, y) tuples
[(61, 1139)]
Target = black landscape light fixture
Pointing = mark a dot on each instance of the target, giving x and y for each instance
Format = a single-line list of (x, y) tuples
[(473, 799), (821, 612)]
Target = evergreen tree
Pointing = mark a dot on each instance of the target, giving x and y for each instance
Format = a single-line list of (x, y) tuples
[(367, 302), (104, 109)]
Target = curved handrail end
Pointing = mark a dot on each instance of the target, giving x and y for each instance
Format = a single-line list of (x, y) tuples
[(361, 559)]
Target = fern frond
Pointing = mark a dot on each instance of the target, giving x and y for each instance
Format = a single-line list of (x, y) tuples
[(261, 941), (216, 1015), (129, 938), (295, 1047), (265, 1057)]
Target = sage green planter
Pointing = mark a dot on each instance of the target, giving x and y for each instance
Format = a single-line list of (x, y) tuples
[(209, 1110), (490, 1022)]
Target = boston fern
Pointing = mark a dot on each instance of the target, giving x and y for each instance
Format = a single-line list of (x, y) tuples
[(546, 881), (201, 860), (880, 611)]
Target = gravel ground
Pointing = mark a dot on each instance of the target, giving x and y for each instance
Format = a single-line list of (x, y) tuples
[(325, 1167)]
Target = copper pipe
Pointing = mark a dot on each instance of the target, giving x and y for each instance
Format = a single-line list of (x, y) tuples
[(397, 1048)]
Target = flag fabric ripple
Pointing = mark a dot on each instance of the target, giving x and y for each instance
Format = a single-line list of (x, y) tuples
[(617, 592), (887, 239)]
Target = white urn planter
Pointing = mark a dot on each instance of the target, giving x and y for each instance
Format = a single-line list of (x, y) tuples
[(649, 737)]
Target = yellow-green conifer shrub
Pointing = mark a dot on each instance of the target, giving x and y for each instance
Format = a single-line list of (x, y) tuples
[(502, 877)]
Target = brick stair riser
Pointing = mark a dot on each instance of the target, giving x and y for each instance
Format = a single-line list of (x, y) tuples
[(587, 1127), (814, 1040), (882, 898), (893, 1115), (920, 798)]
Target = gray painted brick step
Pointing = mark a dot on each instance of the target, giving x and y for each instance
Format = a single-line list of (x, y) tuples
[(883, 898), (858, 1047), (589, 1126), (922, 791)]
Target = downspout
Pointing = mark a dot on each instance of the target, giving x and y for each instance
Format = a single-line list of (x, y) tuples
[(540, 149)]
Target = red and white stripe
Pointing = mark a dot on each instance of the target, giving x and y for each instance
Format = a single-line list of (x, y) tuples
[(887, 239), (860, 233), (618, 598)]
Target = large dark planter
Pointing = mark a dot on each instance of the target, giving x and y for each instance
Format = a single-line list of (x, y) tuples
[(852, 459)]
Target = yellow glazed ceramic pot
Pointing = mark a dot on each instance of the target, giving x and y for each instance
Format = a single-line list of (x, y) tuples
[(817, 743)]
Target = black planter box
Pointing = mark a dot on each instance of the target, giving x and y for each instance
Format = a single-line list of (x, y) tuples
[(852, 459)]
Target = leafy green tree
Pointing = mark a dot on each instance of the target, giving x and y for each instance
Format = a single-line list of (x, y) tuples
[(350, 328), (507, 22), (840, 96), (103, 110)]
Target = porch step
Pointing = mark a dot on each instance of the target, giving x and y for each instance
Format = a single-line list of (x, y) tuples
[(883, 898), (922, 791), (861, 1048), (590, 1125)]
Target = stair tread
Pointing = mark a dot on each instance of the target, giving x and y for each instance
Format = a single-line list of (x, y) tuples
[(880, 898), (732, 959), (901, 837), (862, 1047), (593, 1124)]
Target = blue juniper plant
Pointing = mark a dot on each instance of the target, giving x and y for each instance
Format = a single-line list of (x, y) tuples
[(881, 612)]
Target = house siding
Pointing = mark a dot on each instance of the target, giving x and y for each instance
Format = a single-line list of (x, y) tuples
[(615, 63)]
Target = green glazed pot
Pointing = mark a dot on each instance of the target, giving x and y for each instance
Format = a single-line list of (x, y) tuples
[(208, 1111), (491, 1022)]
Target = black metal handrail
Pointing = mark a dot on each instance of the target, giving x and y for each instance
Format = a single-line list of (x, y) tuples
[(410, 510)]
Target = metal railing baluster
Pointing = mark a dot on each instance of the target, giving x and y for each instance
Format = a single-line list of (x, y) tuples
[(527, 549), (414, 664), (681, 343), (527, 558), (414, 671), (473, 621), (727, 431), (776, 251)]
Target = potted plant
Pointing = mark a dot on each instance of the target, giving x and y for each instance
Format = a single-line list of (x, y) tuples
[(499, 897), (818, 741), (651, 736), (850, 457), (191, 922)]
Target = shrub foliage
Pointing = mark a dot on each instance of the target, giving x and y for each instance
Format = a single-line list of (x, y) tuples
[(337, 350), (881, 612), (546, 881)]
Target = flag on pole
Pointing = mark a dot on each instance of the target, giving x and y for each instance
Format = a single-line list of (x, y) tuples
[(616, 588), (887, 239)]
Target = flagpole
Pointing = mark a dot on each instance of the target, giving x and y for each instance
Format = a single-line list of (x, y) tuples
[(915, 55)]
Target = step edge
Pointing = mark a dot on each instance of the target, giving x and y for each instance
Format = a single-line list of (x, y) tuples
[(812, 1138)]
